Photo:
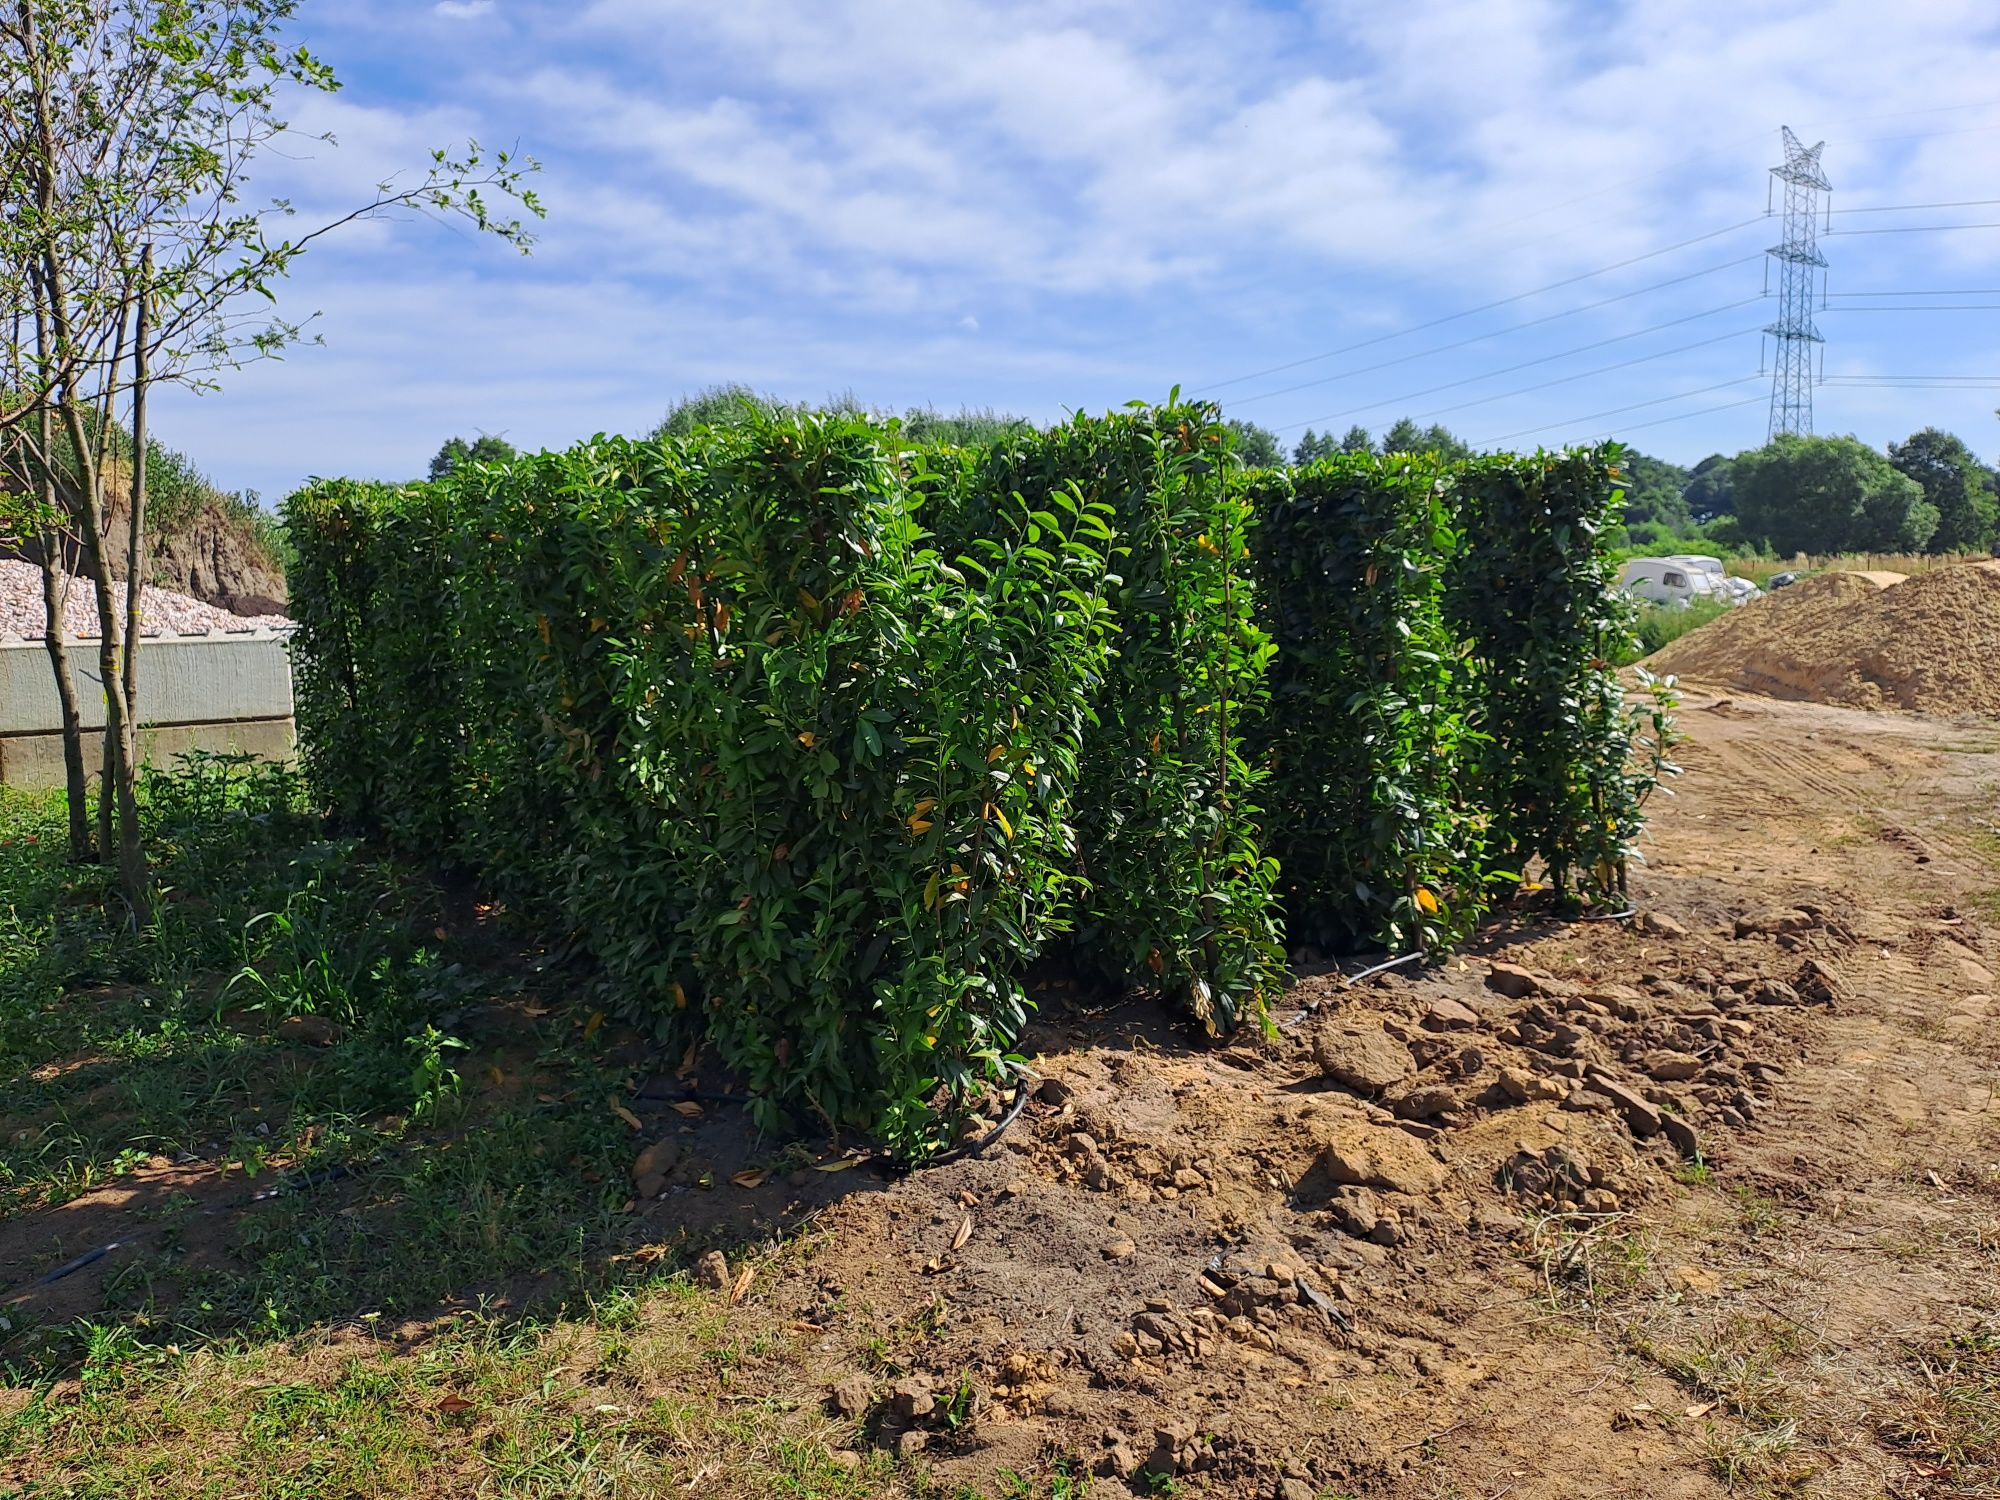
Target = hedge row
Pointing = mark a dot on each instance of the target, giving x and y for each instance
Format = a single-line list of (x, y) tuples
[(817, 742), (1445, 723), (805, 783)]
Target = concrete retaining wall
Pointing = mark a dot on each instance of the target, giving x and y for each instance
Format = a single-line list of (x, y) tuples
[(221, 691)]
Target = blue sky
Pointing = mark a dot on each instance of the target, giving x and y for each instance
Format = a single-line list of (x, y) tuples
[(1052, 204)]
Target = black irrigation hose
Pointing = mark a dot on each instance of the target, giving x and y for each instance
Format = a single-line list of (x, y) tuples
[(290, 1183), (1610, 916), (1022, 1079)]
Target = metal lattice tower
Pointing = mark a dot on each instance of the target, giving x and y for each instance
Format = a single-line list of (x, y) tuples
[(1798, 262)]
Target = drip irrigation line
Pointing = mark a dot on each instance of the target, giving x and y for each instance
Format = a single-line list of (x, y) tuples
[(1383, 968), (1553, 286), (1480, 338)]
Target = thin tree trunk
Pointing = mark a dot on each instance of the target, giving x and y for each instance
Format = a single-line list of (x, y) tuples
[(132, 871), (55, 589)]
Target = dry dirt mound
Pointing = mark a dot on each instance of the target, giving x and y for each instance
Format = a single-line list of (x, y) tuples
[(1927, 643), (161, 611)]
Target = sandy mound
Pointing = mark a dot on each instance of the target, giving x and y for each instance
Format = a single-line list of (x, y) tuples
[(1930, 643), (161, 612)]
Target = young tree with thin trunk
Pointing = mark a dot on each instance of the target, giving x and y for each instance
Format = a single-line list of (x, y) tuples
[(127, 132)]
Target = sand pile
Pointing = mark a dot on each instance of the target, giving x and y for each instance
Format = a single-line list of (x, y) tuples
[(1929, 643), (160, 611)]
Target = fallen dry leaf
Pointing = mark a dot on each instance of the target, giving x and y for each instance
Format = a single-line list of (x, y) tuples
[(687, 1109), (452, 1404), (626, 1115), (840, 1165), (742, 1286), (1701, 1410), (749, 1177), (964, 1233)]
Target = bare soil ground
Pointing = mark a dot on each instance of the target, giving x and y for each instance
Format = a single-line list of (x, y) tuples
[(1705, 1202)]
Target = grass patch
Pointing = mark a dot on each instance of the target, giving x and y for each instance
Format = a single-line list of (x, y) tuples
[(332, 1237), (1944, 1418), (1658, 625)]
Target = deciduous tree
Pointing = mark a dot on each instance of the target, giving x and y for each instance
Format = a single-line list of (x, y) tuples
[(132, 257)]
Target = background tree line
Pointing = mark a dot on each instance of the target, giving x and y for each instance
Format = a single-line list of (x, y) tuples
[(1928, 493)]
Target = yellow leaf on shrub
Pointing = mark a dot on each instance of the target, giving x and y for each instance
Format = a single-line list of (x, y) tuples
[(1028, 769), (591, 1026), (680, 996), (995, 753), (1005, 827), (542, 628), (1425, 900), (808, 739), (931, 889), (924, 805), (920, 825)]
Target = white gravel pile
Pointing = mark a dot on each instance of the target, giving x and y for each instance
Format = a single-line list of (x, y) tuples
[(160, 611)]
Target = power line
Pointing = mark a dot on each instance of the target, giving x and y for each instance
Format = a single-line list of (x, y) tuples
[(1483, 307), (1619, 410), (1949, 291), (1623, 364), (1901, 208), (1477, 338), (1922, 307), (1527, 364), (1916, 228), (1655, 422)]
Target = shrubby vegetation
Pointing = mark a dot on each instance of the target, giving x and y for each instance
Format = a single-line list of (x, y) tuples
[(816, 739)]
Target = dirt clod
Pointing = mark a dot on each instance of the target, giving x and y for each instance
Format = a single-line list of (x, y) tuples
[(1513, 981), (711, 1272), (851, 1398), (1360, 1055)]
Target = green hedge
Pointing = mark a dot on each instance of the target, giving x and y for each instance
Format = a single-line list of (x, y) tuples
[(1566, 762), (1370, 722), (816, 740), (1181, 896), (802, 783)]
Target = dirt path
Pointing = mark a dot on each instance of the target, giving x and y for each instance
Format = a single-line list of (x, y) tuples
[(1756, 1317)]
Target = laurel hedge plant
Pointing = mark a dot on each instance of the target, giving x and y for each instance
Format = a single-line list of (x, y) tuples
[(816, 739), (1566, 757), (1179, 894), (1370, 724), (801, 783)]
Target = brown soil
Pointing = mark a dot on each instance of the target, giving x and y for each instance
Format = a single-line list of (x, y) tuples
[(1927, 643), (1166, 1263)]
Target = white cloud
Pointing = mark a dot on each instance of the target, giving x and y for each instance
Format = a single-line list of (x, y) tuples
[(789, 191)]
